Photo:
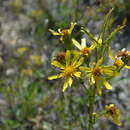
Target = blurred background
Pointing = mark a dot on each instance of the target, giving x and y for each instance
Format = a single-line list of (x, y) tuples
[(28, 101)]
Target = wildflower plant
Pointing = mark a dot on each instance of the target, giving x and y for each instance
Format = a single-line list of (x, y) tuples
[(88, 63)]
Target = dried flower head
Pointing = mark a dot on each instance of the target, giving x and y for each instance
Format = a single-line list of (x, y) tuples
[(124, 55), (60, 56), (122, 58)]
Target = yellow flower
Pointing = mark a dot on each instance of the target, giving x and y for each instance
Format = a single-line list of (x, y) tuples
[(114, 113), (68, 70), (63, 33), (84, 50), (98, 75), (121, 59), (21, 50)]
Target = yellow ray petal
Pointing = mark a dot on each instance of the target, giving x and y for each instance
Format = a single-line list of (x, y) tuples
[(108, 72), (83, 43), (100, 61), (70, 81), (99, 40), (60, 32), (75, 52), (116, 120), (126, 66), (87, 69), (107, 85), (54, 32), (55, 76), (77, 64), (66, 83), (111, 67), (67, 57), (92, 47), (110, 54), (77, 44), (92, 79), (57, 64), (77, 74), (75, 58), (72, 27), (99, 84)]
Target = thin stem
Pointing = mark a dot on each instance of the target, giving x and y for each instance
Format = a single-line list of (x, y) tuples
[(102, 51), (91, 106)]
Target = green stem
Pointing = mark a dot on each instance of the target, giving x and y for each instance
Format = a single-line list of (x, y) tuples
[(91, 106), (103, 48)]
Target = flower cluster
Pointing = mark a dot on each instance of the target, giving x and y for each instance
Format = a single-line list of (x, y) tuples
[(73, 64), (97, 74)]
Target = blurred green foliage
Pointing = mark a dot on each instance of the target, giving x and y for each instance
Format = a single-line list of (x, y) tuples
[(121, 7)]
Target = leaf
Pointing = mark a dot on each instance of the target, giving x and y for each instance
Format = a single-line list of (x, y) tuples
[(107, 22), (113, 33)]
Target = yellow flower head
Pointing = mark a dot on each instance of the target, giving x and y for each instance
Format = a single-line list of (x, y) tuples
[(63, 33), (118, 63), (114, 113), (122, 58), (97, 74), (68, 70), (83, 49)]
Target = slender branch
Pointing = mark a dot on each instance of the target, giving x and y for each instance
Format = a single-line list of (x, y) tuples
[(92, 95)]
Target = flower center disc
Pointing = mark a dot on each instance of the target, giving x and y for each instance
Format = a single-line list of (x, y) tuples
[(112, 110), (85, 51), (65, 32), (69, 70), (96, 71), (118, 63)]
